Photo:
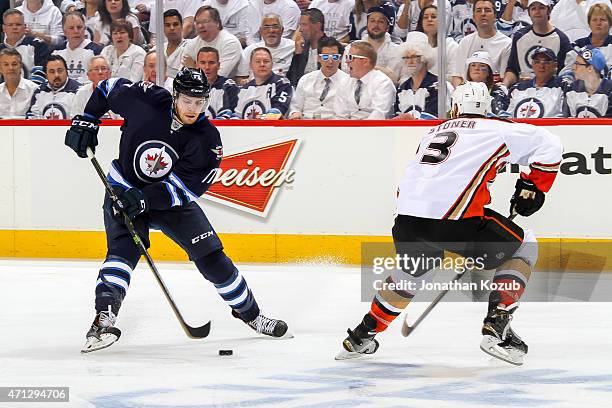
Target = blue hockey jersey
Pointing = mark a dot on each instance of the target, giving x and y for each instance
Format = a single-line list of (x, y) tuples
[(173, 164)]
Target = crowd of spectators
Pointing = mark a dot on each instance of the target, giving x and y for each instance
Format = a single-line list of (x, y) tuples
[(313, 59)]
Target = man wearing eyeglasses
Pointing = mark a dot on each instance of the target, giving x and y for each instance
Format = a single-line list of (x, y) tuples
[(542, 96), (77, 50), (371, 93), (98, 70), (282, 48), (316, 91)]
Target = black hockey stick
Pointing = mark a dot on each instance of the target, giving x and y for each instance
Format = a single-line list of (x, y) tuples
[(407, 329), (192, 332)]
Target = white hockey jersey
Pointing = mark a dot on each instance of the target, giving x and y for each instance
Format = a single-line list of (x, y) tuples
[(457, 160)]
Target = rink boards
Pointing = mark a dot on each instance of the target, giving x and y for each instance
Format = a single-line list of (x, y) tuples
[(290, 191)]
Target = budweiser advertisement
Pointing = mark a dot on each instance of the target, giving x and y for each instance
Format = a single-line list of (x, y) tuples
[(249, 180)]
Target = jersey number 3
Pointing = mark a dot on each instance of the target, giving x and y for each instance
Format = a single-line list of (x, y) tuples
[(439, 149)]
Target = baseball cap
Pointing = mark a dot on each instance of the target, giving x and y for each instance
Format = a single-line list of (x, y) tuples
[(594, 57), (387, 10), (480, 56), (544, 51), (544, 2)]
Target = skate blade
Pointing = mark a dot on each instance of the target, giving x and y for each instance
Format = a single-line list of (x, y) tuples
[(347, 355), (93, 344), (490, 346)]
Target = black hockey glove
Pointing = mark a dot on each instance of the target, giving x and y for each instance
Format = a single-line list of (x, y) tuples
[(131, 202), (527, 198), (83, 134)]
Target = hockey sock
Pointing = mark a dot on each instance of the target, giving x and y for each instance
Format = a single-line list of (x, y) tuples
[(112, 285), (387, 305), (510, 287), (230, 284)]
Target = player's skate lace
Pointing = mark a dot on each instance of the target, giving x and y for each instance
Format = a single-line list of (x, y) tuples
[(106, 318), (263, 324)]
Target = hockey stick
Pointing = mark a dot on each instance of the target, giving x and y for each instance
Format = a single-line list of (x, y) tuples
[(192, 332), (407, 329)]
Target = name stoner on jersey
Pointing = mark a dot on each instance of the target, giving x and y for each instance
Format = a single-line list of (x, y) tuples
[(442, 207), (167, 152)]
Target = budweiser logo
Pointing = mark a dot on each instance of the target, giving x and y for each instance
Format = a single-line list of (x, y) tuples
[(249, 180)]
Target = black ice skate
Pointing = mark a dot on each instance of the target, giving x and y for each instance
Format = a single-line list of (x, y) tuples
[(102, 332), (499, 339), (361, 340), (270, 327)]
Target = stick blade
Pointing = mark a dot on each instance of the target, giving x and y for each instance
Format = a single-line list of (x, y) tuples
[(198, 332)]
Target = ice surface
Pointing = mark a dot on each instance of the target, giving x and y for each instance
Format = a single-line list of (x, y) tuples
[(47, 306)]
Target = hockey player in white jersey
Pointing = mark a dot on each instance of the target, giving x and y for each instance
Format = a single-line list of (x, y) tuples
[(441, 207)]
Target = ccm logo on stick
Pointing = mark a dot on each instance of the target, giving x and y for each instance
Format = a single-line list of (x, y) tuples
[(202, 236)]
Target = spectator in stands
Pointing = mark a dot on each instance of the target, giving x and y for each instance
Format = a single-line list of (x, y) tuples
[(287, 9), (514, 17), (458, 15), (89, 9), (486, 38), (97, 70), (223, 91), (380, 21), (590, 96), (428, 24), (108, 12), (282, 49), (234, 17), (34, 51), (76, 49), (16, 91), (125, 59), (149, 71), (370, 94), (305, 59), (570, 16), (303, 4), (175, 45), (267, 95), (417, 97), (600, 21), (211, 34), (542, 96), (541, 32), (337, 17), (43, 20), (479, 68), (55, 98), (187, 10), (359, 17), (315, 94)]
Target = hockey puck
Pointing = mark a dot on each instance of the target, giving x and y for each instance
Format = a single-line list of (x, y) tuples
[(226, 352)]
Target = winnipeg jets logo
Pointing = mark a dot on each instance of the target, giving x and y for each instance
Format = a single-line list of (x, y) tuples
[(54, 111), (153, 160), (253, 110), (529, 108), (218, 151)]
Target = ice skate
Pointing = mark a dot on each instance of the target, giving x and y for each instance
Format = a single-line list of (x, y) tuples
[(499, 339), (102, 333), (360, 341), (265, 325)]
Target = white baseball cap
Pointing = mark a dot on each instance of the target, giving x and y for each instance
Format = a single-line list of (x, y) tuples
[(480, 56), (544, 2)]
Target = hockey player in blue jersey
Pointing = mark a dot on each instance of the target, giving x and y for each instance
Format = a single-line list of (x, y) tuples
[(168, 156)]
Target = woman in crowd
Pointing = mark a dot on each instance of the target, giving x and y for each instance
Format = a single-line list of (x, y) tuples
[(479, 68), (111, 10), (126, 59), (428, 24)]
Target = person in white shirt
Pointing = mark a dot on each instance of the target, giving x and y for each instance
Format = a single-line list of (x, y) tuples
[(387, 55), (211, 34), (110, 11), (44, 20), (174, 47), (234, 16), (77, 50), (486, 38), (97, 71), (337, 15), (370, 94), (287, 9), (149, 71), (428, 24), (316, 91), (16, 91), (126, 59), (282, 49), (570, 16), (187, 10)]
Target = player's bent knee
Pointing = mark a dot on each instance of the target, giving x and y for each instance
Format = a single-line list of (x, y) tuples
[(528, 251), (216, 266)]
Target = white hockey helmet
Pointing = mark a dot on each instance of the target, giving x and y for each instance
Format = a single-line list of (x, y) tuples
[(471, 98)]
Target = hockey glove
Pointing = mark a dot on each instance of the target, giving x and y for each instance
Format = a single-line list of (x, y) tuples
[(131, 202), (527, 198), (82, 134)]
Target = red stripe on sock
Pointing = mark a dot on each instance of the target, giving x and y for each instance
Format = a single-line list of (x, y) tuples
[(509, 296), (383, 319)]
